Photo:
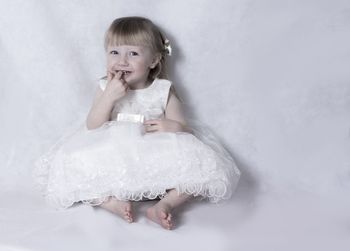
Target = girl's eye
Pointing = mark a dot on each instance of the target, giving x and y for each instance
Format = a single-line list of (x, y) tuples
[(113, 52), (134, 53)]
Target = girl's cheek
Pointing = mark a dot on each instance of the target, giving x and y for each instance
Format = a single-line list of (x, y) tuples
[(111, 62), (110, 66)]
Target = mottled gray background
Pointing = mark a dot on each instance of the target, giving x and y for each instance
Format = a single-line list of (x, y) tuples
[(270, 77)]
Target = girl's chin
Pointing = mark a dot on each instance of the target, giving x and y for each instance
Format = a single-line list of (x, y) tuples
[(136, 85)]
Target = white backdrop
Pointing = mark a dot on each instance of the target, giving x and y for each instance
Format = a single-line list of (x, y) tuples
[(271, 77)]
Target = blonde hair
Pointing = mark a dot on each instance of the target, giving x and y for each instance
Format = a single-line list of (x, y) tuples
[(139, 31)]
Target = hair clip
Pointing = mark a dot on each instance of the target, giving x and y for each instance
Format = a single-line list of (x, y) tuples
[(167, 47)]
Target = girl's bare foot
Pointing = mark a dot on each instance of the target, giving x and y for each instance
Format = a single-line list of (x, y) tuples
[(160, 213), (121, 208)]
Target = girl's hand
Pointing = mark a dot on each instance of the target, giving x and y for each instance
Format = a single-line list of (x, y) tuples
[(116, 86), (163, 125)]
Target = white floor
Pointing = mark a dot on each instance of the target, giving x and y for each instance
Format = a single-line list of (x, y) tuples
[(295, 221)]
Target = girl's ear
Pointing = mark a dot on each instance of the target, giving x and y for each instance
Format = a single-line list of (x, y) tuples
[(156, 60)]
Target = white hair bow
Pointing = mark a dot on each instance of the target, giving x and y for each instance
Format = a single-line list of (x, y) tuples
[(167, 47)]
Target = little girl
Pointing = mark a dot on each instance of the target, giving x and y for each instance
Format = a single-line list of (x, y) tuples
[(137, 144)]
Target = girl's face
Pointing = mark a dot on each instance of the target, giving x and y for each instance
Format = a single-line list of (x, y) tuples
[(134, 61)]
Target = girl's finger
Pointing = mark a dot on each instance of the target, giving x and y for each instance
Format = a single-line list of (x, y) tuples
[(110, 76), (123, 81), (121, 75), (118, 75), (151, 122), (151, 128), (126, 86)]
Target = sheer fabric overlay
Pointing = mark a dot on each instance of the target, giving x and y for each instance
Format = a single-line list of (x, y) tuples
[(119, 159)]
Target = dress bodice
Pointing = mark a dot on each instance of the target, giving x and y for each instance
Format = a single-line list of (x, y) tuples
[(149, 102)]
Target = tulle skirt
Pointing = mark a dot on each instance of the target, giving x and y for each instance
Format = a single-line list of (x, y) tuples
[(120, 160)]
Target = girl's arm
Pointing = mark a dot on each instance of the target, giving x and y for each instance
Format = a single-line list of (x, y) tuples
[(173, 109), (174, 118), (100, 111), (104, 101)]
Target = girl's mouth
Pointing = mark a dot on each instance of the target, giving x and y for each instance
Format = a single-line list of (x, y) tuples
[(124, 73)]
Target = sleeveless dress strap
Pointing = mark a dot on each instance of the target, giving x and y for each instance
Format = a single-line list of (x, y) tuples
[(162, 89)]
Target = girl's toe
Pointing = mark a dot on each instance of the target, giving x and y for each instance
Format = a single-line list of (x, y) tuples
[(163, 215)]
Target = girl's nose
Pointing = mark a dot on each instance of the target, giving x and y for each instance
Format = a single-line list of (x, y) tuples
[(123, 60)]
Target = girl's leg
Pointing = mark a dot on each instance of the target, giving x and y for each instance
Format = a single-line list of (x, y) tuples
[(121, 208), (161, 212)]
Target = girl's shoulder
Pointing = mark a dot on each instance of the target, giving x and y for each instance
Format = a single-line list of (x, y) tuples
[(169, 88), (162, 83)]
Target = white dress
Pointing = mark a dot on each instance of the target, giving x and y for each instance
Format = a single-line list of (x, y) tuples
[(119, 159)]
